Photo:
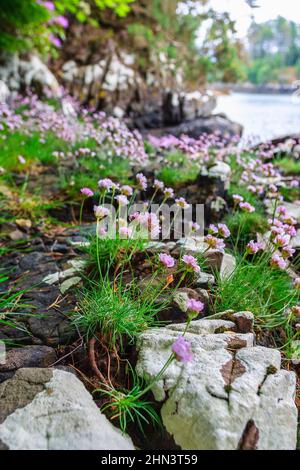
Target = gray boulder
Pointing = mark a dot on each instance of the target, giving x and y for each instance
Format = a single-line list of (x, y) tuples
[(50, 409), (233, 395)]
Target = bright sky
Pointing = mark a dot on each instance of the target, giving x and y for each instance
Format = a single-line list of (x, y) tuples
[(267, 10)]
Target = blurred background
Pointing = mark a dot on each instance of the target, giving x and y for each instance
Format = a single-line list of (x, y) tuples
[(161, 64)]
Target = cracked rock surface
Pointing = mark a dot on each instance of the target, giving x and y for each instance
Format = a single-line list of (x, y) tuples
[(50, 409), (233, 395)]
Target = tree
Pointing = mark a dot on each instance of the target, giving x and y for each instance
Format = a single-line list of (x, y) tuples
[(31, 23)]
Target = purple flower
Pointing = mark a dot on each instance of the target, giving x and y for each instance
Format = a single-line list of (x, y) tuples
[(237, 198), (253, 247), (101, 212), (297, 283), (278, 262), (105, 184), (167, 260), (215, 243), (141, 181), (287, 252), (122, 200), (191, 262), (62, 21), (223, 230), (281, 240), (49, 5), (194, 227), (55, 40), (158, 185), (181, 202), (125, 232), (87, 192), (246, 207), (169, 193), (182, 350), (126, 190), (194, 307)]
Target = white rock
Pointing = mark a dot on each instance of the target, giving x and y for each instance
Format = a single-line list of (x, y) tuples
[(61, 417), (209, 402), (220, 170)]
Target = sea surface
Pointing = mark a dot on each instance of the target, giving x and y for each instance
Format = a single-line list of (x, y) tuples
[(264, 117)]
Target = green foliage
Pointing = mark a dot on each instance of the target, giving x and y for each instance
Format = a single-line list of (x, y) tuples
[(290, 166), (26, 24), (31, 148), (244, 226), (274, 50), (178, 169), (129, 406), (256, 287), (115, 311), (110, 252)]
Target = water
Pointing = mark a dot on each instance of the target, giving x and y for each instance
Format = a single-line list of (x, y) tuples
[(264, 117)]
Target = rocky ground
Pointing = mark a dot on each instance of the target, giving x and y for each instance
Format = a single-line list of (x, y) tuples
[(239, 391)]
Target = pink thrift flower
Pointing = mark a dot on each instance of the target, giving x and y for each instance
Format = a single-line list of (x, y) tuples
[(55, 40), (281, 240), (141, 181), (287, 252), (213, 229), (246, 207), (105, 184), (126, 190), (49, 5), (122, 200), (297, 283), (194, 306), (278, 262), (62, 21), (282, 210), (87, 192), (223, 230), (182, 350), (125, 232), (194, 227), (237, 198), (181, 202), (191, 262), (166, 260), (101, 212), (169, 193), (158, 185), (214, 242), (253, 247), (102, 232), (294, 184)]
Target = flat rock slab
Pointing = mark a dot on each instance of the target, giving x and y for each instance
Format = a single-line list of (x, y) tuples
[(50, 409), (233, 395)]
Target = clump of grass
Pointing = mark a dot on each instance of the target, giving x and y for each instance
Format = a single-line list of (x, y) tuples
[(235, 188), (129, 406), (290, 194), (178, 169), (255, 286), (289, 166), (244, 226), (115, 311), (31, 148), (88, 167), (105, 253)]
